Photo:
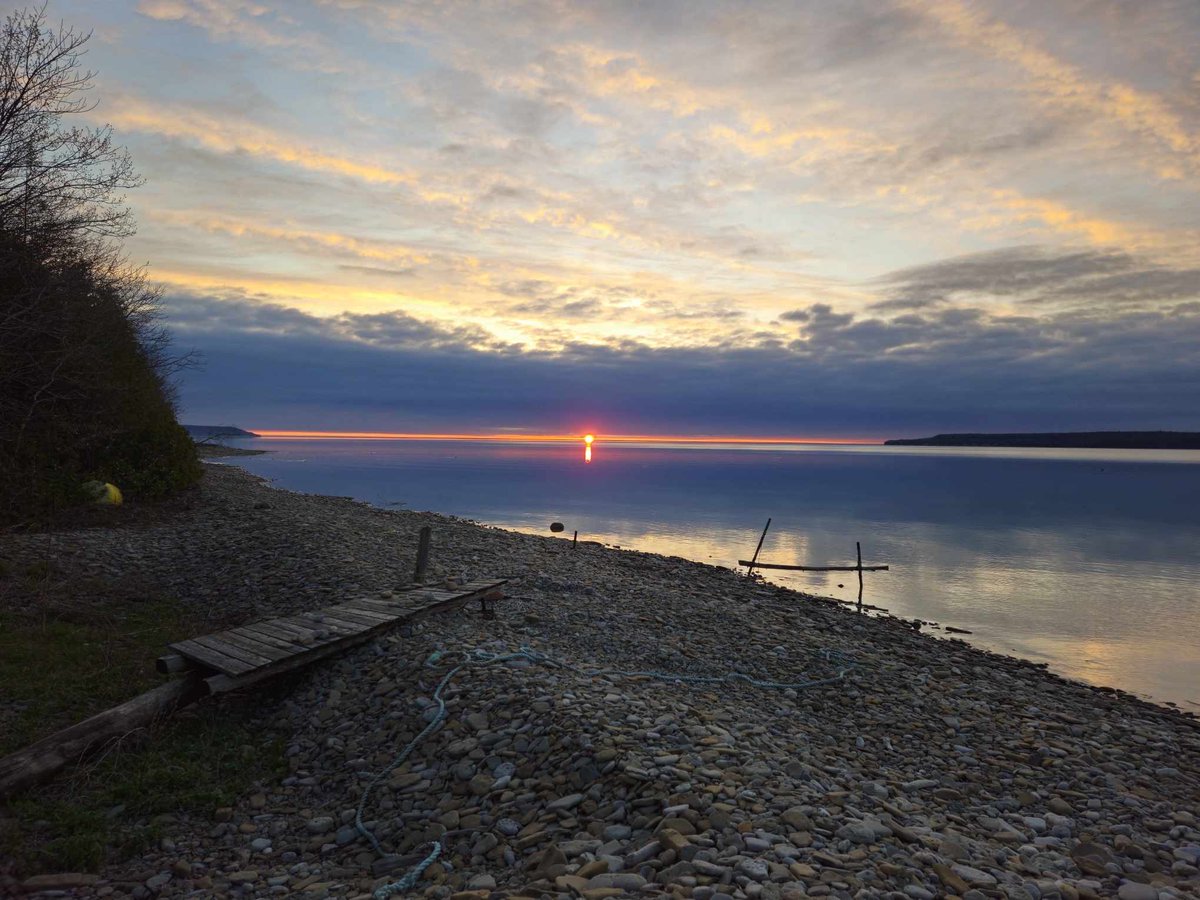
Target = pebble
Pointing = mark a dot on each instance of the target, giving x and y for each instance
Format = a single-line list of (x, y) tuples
[(925, 771), (1131, 890)]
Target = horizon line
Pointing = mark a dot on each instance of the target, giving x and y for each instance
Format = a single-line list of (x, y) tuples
[(287, 434)]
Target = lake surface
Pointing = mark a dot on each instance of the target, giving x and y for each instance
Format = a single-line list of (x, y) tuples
[(1088, 560)]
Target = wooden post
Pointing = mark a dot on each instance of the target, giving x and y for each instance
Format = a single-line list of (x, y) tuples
[(422, 555), (858, 549), (575, 540), (762, 537)]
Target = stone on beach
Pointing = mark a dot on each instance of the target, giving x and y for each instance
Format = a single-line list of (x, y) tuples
[(930, 768)]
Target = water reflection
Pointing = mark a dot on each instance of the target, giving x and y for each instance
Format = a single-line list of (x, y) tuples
[(587, 447), (1086, 563)]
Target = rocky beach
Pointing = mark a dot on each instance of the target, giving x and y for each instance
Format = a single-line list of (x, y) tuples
[(615, 757)]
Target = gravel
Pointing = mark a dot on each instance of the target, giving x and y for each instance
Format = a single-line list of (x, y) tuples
[(931, 769)]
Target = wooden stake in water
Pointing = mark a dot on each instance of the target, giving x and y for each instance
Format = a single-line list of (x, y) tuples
[(858, 549), (750, 568), (422, 554)]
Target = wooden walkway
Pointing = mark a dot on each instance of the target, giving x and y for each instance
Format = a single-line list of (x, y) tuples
[(251, 653)]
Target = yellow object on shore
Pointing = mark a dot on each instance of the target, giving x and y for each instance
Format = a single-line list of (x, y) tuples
[(104, 494)]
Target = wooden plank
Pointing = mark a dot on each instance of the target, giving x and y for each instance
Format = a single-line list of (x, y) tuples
[(744, 562), (438, 596), (355, 606), (362, 620), (280, 638), (220, 683), (337, 630), (305, 624), (323, 622), (334, 623), (347, 624), (363, 609), (213, 642), (286, 630), (447, 600), (249, 642), (391, 607), (211, 658)]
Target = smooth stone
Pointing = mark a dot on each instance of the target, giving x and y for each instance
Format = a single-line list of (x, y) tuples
[(973, 876), (1132, 890), (320, 825), (568, 802), (625, 881), (60, 881), (753, 868)]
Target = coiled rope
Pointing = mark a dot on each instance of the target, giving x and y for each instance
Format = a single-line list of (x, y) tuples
[(480, 657)]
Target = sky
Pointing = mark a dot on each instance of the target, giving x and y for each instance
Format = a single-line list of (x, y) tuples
[(854, 219)]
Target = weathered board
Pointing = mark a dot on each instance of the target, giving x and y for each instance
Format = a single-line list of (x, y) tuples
[(242, 656)]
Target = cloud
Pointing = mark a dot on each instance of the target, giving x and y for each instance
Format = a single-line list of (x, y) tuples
[(222, 134), (1062, 84), (248, 22), (946, 369), (1038, 274), (378, 271), (394, 330), (842, 211)]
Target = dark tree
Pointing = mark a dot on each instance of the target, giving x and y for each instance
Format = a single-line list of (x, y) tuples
[(57, 177), (84, 362)]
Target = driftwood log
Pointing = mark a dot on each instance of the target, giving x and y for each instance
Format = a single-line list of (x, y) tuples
[(759, 565), (41, 760)]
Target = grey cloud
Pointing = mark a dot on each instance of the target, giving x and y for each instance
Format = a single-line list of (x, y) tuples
[(396, 330), (716, 310), (561, 306), (380, 271), (949, 369), (1039, 275)]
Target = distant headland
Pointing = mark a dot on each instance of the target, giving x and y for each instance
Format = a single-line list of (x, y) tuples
[(1106, 440), (208, 432)]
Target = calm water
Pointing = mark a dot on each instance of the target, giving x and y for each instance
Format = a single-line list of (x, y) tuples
[(1086, 560)]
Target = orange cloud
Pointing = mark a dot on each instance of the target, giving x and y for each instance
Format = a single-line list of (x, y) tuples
[(360, 248), (225, 135)]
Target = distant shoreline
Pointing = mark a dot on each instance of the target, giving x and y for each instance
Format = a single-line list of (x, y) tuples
[(1097, 440), (217, 451)]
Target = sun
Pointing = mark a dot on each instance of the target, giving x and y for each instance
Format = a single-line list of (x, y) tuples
[(588, 438)]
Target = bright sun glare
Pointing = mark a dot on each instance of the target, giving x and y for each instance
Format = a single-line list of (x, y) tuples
[(588, 438)]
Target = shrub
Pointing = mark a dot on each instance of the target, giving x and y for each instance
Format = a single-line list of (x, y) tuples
[(84, 368)]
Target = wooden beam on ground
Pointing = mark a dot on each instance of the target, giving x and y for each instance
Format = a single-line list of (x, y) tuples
[(40, 760), (171, 663), (762, 565)]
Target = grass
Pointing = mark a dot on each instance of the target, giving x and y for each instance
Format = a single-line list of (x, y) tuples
[(70, 648), (110, 809)]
